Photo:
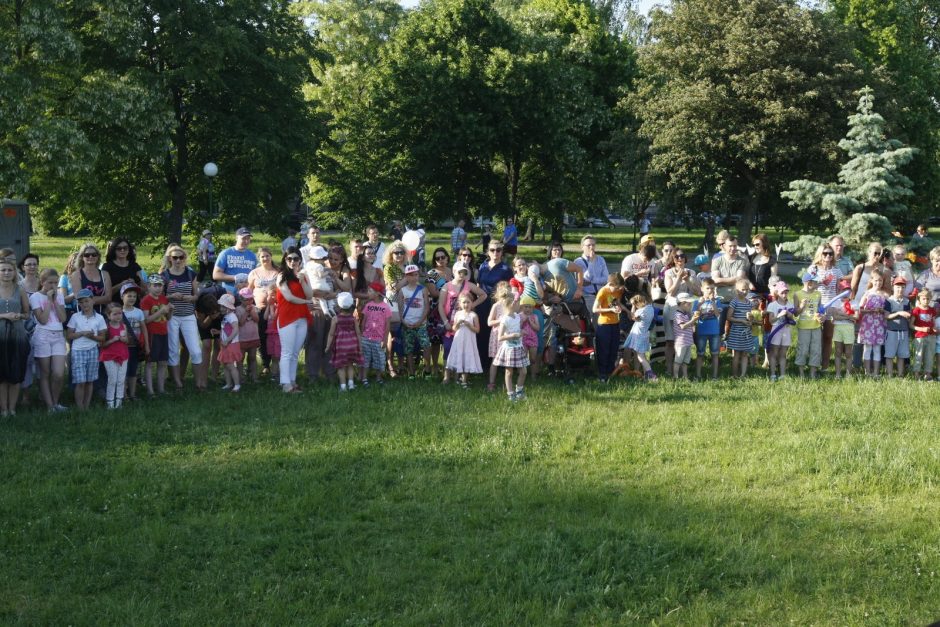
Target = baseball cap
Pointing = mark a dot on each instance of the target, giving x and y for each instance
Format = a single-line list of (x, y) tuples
[(241, 277), (242, 231), (899, 280), (411, 269), (701, 260), (155, 279), (83, 293), (206, 232), (460, 267), (781, 286), (809, 276), (227, 301), (129, 287), (344, 300)]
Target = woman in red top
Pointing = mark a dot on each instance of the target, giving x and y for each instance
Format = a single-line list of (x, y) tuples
[(294, 299)]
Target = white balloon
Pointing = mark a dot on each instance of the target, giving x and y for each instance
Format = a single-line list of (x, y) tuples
[(411, 240)]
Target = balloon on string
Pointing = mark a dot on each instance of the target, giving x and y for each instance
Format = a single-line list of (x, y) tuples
[(411, 240)]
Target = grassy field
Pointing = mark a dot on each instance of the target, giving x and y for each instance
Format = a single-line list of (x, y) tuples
[(665, 503)]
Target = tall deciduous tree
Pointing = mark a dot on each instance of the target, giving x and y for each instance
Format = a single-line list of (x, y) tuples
[(739, 96)]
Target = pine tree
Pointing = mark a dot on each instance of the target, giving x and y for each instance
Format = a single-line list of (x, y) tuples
[(870, 182)]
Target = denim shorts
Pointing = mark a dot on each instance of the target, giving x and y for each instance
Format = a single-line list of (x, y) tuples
[(712, 341)]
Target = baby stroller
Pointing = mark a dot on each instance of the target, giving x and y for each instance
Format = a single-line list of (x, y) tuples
[(575, 338)]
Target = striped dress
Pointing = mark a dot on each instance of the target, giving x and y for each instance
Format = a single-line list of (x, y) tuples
[(346, 351), (740, 338)]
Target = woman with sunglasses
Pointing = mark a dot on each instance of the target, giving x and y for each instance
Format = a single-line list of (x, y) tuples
[(466, 257), (393, 273), (89, 277), (179, 281), (824, 267), (120, 262), (294, 300), (491, 272), (763, 266), (677, 279)]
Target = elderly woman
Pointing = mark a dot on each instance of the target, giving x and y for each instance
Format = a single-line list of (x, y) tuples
[(120, 262), (89, 277), (181, 292), (491, 272), (828, 274), (929, 279)]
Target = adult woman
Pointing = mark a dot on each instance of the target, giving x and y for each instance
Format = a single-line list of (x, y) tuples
[(492, 271), (393, 273), (828, 275), (259, 280), (447, 300), (294, 299), (763, 266), (677, 279), (441, 263), (29, 267), (863, 271), (120, 262), (14, 341), (316, 350), (930, 278), (368, 277), (437, 277), (89, 277), (465, 255), (182, 294), (595, 270), (659, 265)]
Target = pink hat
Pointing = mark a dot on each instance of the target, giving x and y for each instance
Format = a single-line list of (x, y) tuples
[(227, 301), (780, 287), (411, 269)]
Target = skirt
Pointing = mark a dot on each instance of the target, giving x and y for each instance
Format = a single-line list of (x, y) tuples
[(740, 338), (231, 354), (511, 356)]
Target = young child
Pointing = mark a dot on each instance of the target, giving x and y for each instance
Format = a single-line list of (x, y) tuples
[(530, 332), (114, 355), (607, 331), (708, 329), (843, 329), (464, 358), (272, 333), (638, 340), (683, 320), (319, 277), (739, 338), (511, 354), (345, 340), (157, 310), (376, 324), (902, 268), (872, 324), (922, 318), (520, 273), (781, 315), (249, 339), (86, 330), (48, 339), (230, 354), (808, 326), (756, 316), (496, 315), (136, 338), (897, 338), (413, 305)]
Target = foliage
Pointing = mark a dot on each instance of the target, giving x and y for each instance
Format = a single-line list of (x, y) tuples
[(805, 246), (736, 97)]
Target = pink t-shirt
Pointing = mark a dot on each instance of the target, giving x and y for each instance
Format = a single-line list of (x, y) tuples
[(374, 317)]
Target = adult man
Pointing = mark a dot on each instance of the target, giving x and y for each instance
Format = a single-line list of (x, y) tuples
[(728, 268), (594, 275), (313, 241), (510, 237), (290, 240), (458, 238), (842, 263), (235, 260), (372, 237), (644, 225), (205, 254), (355, 249)]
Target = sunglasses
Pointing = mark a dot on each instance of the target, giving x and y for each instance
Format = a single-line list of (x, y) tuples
[(681, 256), (177, 257), (465, 255), (292, 258), (91, 254), (496, 250), (440, 258), (398, 252), (828, 253)]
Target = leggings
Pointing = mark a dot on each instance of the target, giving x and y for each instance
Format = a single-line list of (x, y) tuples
[(292, 340), (116, 375), (185, 325), (871, 352)]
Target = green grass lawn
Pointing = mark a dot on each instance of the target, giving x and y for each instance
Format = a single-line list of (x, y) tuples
[(682, 503), (809, 503)]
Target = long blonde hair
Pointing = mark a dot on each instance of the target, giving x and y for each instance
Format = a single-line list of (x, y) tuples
[(165, 262)]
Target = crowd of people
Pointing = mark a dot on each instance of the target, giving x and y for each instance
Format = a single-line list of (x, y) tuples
[(373, 310)]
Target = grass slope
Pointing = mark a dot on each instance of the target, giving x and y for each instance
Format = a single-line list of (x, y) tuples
[(739, 502)]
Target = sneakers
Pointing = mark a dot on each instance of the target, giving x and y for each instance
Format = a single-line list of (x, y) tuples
[(651, 376), (773, 378), (350, 385), (520, 394), (365, 383)]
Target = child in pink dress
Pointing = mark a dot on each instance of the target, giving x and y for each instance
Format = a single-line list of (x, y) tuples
[(230, 354), (345, 340), (873, 324)]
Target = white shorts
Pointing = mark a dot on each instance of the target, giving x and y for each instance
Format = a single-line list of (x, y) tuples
[(47, 343)]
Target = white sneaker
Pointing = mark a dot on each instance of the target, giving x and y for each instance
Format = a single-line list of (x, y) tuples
[(350, 386), (342, 387), (773, 378)]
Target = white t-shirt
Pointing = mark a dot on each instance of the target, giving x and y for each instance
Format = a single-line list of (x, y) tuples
[(135, 318), (80, 323), (379, 254), (39, 301), (416, 310), (634, 263)]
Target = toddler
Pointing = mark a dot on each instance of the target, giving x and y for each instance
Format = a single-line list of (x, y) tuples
[(464, 357), (344, 340), (320, 279), (249, 339), (230, 353)]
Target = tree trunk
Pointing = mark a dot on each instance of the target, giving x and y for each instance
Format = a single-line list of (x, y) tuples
[(176, 172), (747, 216)]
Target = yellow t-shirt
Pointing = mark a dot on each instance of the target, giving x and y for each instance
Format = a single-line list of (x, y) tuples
[(606, 298), (807, 319)]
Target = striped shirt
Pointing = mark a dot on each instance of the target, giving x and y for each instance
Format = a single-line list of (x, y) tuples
[(683, 336), (180, 284)]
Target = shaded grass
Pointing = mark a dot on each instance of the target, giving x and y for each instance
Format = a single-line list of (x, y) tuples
[(684, 503)]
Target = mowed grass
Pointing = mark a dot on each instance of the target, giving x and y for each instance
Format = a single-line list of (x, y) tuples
[(809, 503)]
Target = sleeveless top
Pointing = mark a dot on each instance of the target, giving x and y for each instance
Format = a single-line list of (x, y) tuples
[(180, 284), (96, 287), (288, 312), (12, 304)]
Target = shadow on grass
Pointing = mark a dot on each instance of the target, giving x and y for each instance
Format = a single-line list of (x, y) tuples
[(363, 520)]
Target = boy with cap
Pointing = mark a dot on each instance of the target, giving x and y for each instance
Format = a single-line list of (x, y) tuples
[(682, 322), (413, 303), (897, 340), (808, 325), (86, 330), (134, 320), (157, 309)]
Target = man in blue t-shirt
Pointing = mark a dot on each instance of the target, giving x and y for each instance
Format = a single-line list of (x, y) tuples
[(510, 237), (235, 260)]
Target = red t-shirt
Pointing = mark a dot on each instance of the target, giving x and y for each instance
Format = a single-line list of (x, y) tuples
[(288, 312), (923, 318), (150, 304)]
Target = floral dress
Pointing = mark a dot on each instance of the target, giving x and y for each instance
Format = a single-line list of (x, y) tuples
[(873, 326)]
